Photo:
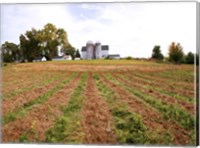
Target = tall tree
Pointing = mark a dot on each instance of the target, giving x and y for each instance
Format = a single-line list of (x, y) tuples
[(50, 39), (77, 54), (11, 52), (189, 58), (157, 53), (176, 53), (30, 45), (44, 42)]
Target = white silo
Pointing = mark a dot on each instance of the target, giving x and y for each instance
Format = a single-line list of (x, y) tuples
[(97, 50), (90, 50)]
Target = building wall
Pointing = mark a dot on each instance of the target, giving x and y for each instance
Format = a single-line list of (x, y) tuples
[(84, 55), (90, 51), (104, 53), (98, 51)]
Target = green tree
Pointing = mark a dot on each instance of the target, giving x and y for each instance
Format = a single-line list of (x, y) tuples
[(70, 50), (189, 58), (10, 52), (44, 42), (176, 53), (77, 54), (50, 39), (30, 45), (157, 53)]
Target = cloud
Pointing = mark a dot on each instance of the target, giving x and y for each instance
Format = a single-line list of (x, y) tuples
[(128, 28)]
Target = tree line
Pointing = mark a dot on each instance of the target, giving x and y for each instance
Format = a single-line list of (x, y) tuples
[(39, 43), (176, 54)]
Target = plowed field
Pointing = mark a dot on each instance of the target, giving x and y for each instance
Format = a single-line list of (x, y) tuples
[(99, 102)]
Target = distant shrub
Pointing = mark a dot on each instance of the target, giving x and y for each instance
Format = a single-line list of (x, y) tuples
[(128, 58)]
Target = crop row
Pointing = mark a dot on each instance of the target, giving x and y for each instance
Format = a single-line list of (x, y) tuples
[(156, 93), (163, 87), (27, 106), (169, 111), (30, 86), (65, 128)]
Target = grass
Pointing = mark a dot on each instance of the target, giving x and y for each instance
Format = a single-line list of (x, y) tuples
[(150, 84), (25, 89), (23, 110), (128, 125), (65, 128), (101, 62), (169, 111)]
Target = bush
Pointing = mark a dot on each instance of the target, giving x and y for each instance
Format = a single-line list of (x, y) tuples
[(128, 58)]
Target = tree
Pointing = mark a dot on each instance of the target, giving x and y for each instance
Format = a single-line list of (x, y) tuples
[(157, 53), (176, 53), (70, 50), (11, 52), (44, 42), (189, 58), (77, 54), (30, 45)]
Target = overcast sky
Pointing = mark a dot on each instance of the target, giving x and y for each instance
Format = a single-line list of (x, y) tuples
[(130, 29)]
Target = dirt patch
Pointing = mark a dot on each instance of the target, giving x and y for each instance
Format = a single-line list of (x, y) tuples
[(97, 119), (150, 117), (40, 118)]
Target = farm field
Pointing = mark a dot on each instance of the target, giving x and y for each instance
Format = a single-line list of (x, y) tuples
[(99, 102)]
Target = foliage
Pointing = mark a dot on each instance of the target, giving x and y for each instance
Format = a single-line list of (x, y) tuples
[(129, 58), (10, 52), (176, 54), (69, 50), (189, 58), (77, 54), (157, 53), (44, 42)]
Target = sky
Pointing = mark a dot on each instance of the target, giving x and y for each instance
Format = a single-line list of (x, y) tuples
[(130, 29)]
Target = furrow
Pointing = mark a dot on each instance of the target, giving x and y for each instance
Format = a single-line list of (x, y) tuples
[(150, 116), (12, 104), (33, 127), (97, 119), (156, 94), (11, 116)]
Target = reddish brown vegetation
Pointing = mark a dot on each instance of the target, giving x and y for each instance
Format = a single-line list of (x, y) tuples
[(97, 119), (40, 118)]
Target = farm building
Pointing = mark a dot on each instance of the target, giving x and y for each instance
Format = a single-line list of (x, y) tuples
[(94, 51), (114, 56)]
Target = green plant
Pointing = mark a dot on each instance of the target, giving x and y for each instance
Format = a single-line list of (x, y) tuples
[(66, 125)]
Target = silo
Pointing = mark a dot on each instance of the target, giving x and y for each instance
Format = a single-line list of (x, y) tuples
[(90, 50), (97, 50)]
